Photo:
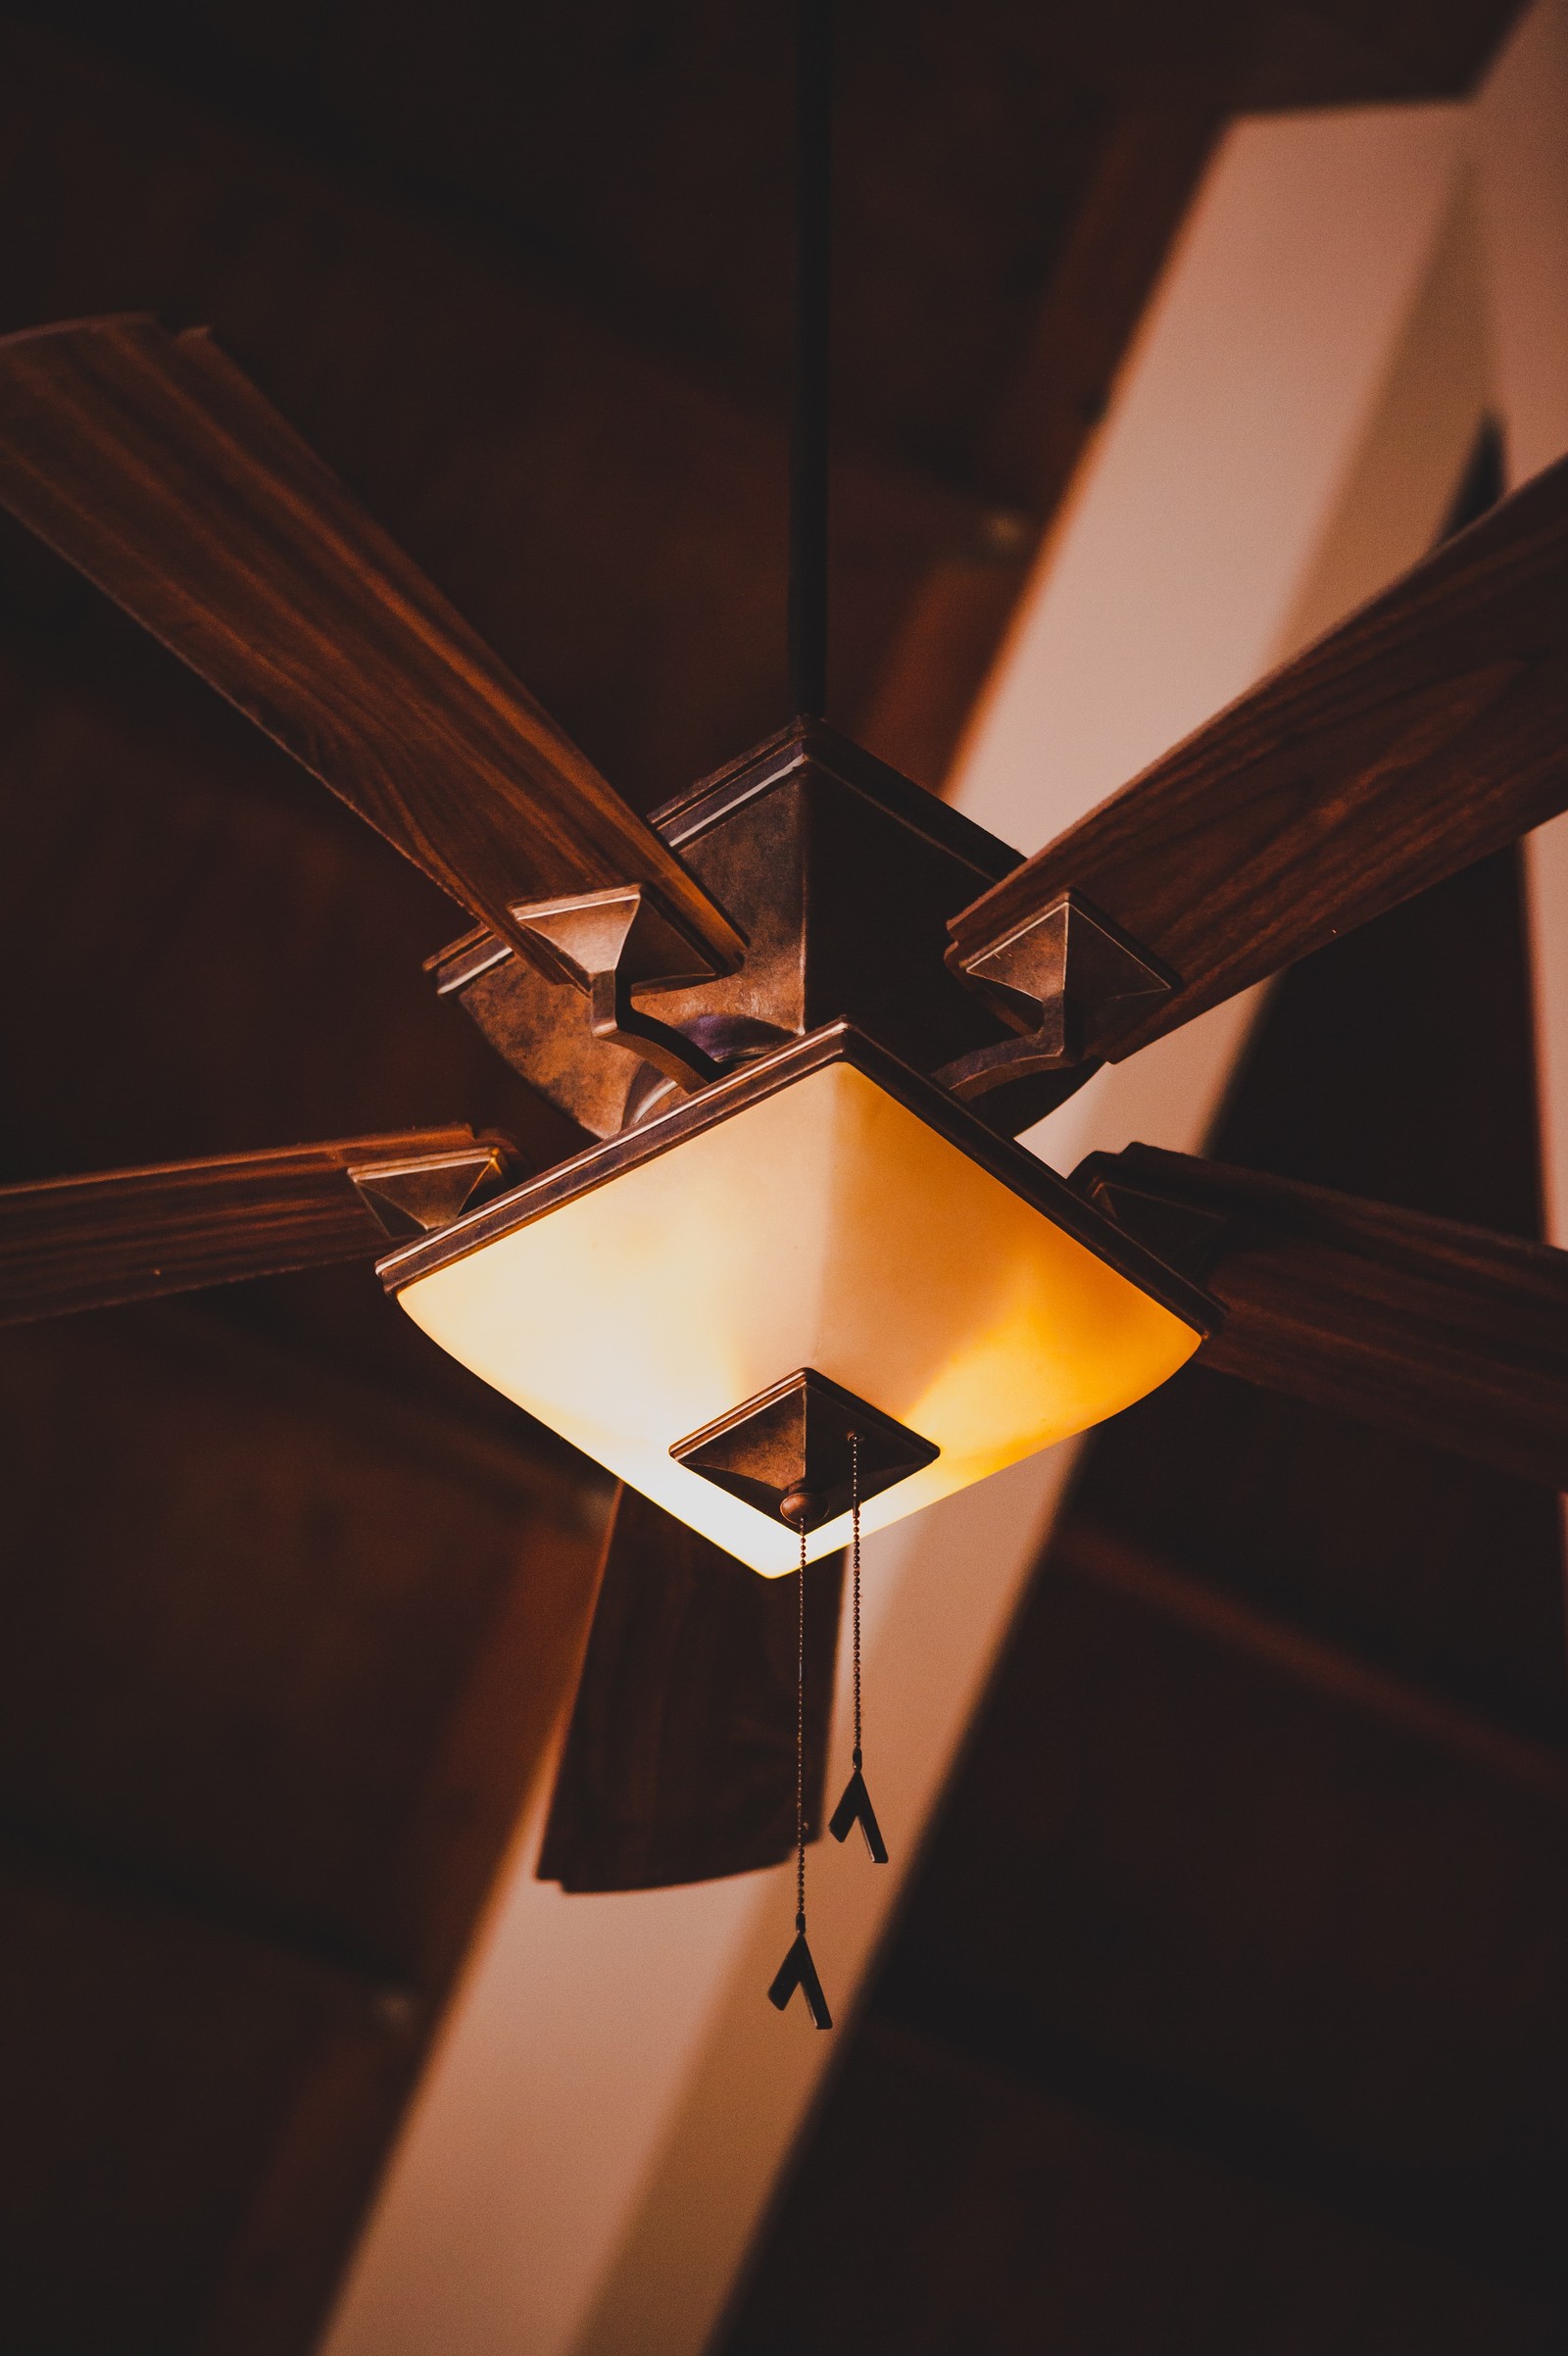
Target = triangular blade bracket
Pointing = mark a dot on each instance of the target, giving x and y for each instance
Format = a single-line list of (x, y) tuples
[(416, 1197), (1058, 975), (611, 942), (1186, 1235)]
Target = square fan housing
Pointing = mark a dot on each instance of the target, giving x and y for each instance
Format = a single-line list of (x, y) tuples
[(822, 1208), (843, 877)]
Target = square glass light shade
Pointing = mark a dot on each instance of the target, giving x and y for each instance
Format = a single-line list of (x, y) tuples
[(824, 1207)]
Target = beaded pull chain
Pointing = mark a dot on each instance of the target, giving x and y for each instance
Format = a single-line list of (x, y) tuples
[(856, 1805), (798, 1971)]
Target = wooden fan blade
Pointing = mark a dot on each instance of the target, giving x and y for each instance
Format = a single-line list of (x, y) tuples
[(151, 463), (1443, 1333), (129, 1235), (679, 1760), (1430, 728)]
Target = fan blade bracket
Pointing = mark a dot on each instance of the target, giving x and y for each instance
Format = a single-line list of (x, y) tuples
[(629, 929), (416, 1195), (611, 942), (1185, 1235), (1419, 734), (1068, 978), (1448, 1335)]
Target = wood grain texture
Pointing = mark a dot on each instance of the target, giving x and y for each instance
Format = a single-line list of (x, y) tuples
[(950, 2202), (155, 466), (267, 1715), (131, 1235), (1443, 1333), (1429, 729), (679, 1761)]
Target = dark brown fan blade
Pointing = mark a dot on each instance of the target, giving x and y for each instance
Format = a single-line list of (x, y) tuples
[(679, 1761), (1443, 1333), (1430, 728), (131, 1235), (155, 466)]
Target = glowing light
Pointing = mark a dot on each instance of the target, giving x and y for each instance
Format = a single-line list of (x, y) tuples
[(804, 1213)]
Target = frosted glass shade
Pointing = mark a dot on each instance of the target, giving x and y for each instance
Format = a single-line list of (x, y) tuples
[(824, 1208)]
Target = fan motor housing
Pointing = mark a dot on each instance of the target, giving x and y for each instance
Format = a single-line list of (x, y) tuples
[(843, 875)]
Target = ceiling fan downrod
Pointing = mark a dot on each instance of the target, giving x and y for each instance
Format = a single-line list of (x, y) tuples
[(808, 425)]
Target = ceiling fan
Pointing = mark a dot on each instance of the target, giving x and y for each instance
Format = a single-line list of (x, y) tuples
[(799, 1231)]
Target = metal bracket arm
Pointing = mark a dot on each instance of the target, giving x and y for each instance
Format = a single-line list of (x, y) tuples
[(612, 1018), (610, 943), (416, 1196), (1051, 1045), (1064, 969)]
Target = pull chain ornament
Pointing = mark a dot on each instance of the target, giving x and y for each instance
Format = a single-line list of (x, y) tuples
[(856, 1805), (798, 1971)]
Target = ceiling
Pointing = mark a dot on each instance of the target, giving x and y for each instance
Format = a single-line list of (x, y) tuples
[(523, 275), (291, 1605)]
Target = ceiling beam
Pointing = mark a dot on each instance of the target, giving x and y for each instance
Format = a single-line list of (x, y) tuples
[(1535, 1771)]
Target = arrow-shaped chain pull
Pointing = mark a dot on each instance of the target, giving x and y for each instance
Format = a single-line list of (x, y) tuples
[(798, 1971), (856, 1808), (856, 1805)]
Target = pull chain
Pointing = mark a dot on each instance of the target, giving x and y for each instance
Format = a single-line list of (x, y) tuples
[(800, 1748), (855, 1530), (856, 1805), (798, 1971)]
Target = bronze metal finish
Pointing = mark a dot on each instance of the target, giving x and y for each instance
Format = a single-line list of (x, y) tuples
[(613, 942), (843, 876), (787, 1452), (1065, 970), (419, 1195)]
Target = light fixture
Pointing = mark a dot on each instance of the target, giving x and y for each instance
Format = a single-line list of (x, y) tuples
[(824, 1209)]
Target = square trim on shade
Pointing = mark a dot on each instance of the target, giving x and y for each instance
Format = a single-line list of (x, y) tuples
[(808, 1437)]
